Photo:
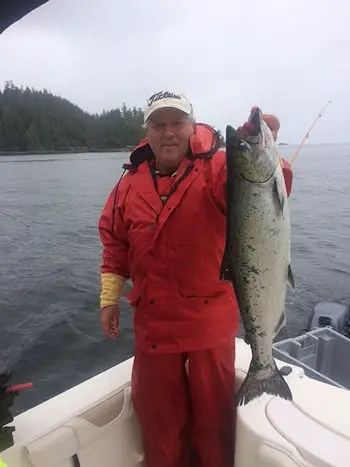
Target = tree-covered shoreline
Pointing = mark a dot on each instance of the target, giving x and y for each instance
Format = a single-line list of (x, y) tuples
[(38, 122), (9, 152)]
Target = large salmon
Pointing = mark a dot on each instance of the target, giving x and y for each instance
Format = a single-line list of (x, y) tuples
[(257, 253)]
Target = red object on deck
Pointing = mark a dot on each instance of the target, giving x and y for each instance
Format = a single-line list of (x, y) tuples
[(19, 387)]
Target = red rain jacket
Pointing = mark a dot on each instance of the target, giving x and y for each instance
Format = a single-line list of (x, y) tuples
[(173, 252)]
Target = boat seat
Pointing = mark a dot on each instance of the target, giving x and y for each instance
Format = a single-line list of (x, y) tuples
[(106, 435), (309, 431)]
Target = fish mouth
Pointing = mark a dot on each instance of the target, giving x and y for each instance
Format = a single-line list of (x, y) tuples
[(255, 120)]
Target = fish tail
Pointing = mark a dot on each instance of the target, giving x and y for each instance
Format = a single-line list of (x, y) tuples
[(267, 380)]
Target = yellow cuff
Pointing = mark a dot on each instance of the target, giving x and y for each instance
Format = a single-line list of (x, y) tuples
[(112, 288)]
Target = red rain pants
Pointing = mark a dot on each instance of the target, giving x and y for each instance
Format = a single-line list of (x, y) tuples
[(187, 419)]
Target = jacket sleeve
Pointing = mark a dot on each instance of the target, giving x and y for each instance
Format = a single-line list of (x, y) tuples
[(114, 238), (219, 176)]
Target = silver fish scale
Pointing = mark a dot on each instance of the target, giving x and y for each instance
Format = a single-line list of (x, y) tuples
[(260, 259)]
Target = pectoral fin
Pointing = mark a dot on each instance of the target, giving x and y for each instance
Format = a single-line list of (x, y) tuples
[(291, 281), (280, 324), (279, 195)]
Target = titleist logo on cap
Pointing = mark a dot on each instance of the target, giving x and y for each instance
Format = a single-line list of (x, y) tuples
[(162, 95)]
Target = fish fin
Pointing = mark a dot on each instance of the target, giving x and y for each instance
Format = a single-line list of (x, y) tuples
[(281, 323), (226, 268), (291, 280), (268, 380), (246, 339), (279, 196)]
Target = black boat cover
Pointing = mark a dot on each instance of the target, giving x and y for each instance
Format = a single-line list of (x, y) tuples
[(13, 10)]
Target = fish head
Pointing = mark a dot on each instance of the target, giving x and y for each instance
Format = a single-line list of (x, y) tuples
[(254, 157)]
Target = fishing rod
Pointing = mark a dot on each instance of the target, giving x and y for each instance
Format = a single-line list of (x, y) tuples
[(308, 134)]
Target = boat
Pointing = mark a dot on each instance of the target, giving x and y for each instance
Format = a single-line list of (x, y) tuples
[(94, 423)]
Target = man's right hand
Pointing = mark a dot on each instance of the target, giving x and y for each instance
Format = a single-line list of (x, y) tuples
[(110, 321)]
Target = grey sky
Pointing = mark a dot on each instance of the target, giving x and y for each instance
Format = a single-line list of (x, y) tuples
[(289, 57)]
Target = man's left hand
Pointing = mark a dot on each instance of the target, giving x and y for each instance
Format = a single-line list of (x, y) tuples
[(248, 129)]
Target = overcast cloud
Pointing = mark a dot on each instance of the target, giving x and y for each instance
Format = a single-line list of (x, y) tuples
[(289, 57)]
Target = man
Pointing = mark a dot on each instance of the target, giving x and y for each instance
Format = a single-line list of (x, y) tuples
[(163, 226)]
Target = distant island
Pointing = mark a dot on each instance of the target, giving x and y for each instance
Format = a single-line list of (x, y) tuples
[(34, 122)]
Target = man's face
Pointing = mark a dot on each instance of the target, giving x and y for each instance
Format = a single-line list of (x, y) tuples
[(168, 133)]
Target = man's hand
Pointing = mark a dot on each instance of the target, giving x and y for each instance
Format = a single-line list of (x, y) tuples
[(110, 321), (248, 129)]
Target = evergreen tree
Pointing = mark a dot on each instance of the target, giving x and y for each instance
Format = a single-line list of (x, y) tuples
[(32, 120)]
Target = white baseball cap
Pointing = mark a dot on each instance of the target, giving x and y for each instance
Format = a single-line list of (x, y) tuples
[(167, 99)]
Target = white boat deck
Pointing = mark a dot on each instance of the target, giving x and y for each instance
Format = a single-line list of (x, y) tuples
[(94, 423)]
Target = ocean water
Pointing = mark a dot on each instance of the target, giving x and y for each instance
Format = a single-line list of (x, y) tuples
[(50, 256)]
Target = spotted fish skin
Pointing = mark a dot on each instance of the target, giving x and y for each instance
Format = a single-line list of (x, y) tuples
[(257, 252)]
